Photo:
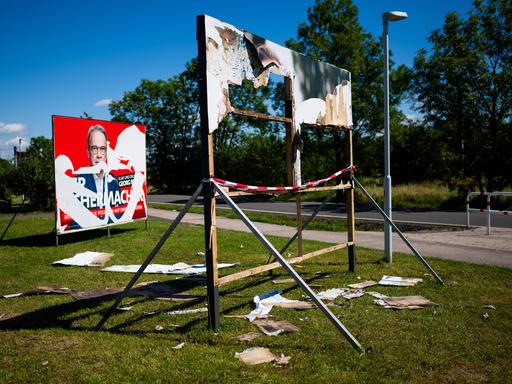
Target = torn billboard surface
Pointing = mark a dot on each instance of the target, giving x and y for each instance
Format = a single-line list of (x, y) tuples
[(321, 92)]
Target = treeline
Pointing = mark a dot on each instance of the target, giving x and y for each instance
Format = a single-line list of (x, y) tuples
[(461, 90)]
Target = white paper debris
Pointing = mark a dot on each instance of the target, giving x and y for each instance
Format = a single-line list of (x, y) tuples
[(186, 311), (86, 259), (399, 281), (363, 284), (259, 355), (266, 301), (179, 346), (174, 269), (332, 293), (404, 302)]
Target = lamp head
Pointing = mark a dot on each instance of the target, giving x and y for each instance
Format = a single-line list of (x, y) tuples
[(394, 16)]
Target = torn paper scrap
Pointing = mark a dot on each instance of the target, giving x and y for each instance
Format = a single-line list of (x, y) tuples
[(404, 302), (255, 355), (265, 302), (187, 311), (377, 295), (179, 346), (248, 336), (274, 328), (174, 269), (400, 281), (86, 259), (332, 293), (362, 284), (353, 294)]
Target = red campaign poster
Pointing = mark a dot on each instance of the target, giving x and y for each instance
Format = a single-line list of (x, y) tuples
[(100, 173)]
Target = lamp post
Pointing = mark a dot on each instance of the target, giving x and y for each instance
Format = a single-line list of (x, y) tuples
[(386, 18)]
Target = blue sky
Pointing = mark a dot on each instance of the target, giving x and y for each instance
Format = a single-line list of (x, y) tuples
[(70, 57)]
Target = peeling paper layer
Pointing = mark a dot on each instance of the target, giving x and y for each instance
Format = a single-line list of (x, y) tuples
[(321, 91)]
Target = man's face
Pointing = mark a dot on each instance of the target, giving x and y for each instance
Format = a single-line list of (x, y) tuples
[(97, 148)]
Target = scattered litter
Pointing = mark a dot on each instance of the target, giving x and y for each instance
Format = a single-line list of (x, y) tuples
[(44, 363), (304, 319), (274, 328), (86, 259), (38, 291), (363, 284), (179, 346), (241, 245), (377, 295), (400, 281), (200, 253), (485, 316), (248, 336), (256, 355), (266, 301), (353, 294), (331, 294), (282, 359), (174, 269), (489, 306), (124, 308), (404, 302), (236, 316), (283, 281), (159, 328), (186, 311)]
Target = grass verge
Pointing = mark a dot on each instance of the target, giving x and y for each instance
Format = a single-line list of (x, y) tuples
[(51, 339)]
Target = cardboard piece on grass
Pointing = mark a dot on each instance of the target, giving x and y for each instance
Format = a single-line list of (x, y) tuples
[(362, 284), (283, 281), (400, 281), (353, 294), (259, 355), (86, 259), (174, 269), (274, 328), (404, 302)]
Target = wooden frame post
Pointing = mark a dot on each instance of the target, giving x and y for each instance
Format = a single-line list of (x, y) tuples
[(210, 229), (351, 222), (291, 154)]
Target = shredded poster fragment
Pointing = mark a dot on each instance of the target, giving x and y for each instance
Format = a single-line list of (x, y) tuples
[(404, 302), (86, 259), (274, 328), (400, 281), (259, 355), (174, 269)]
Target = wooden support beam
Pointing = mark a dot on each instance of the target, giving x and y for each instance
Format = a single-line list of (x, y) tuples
[(267, 267), (263, 116)]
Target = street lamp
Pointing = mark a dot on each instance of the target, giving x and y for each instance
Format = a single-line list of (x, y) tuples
[(386, 18)]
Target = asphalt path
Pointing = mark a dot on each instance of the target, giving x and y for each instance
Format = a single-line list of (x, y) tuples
[(258, 204)]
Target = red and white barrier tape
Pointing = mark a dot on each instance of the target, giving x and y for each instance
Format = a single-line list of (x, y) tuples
[(256, 188)]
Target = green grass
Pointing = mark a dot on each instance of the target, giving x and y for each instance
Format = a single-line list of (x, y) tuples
[(51, 339)]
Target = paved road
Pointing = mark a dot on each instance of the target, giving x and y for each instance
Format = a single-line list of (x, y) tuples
[(366, 213), (472, 246)]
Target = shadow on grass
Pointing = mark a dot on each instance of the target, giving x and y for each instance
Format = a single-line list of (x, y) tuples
[(48, 239), (66, 315)]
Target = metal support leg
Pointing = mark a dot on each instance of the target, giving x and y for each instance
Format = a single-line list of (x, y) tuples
[(306, 223), (151, 256), (390, 222), (351, 339)]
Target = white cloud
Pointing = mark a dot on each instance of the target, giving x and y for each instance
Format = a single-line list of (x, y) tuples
[(12, 127), (7, 146), (103, 103)]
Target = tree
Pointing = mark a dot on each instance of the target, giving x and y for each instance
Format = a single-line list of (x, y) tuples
[(464, 89), (34, 176), (170, 111)]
